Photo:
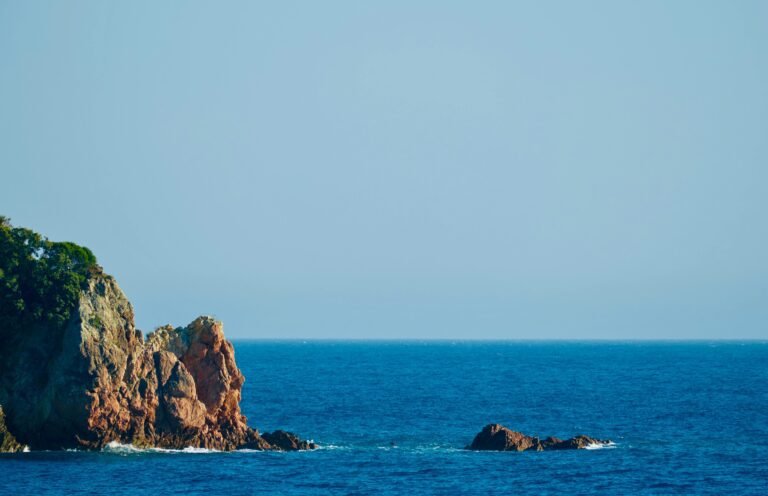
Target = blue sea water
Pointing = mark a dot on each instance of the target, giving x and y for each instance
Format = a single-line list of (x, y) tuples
[(393, 417)]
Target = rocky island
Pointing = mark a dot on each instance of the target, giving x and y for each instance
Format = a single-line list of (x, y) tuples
[(76, 373), (495, 437)]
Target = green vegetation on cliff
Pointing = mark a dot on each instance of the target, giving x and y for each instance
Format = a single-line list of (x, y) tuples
[(40, 280)]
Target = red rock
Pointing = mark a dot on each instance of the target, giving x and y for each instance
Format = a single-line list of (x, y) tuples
[(102, 382)]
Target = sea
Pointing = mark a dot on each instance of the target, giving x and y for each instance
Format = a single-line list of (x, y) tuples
[(395, 417)]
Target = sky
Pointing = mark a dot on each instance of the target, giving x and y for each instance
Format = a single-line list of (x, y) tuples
[(401, 170)]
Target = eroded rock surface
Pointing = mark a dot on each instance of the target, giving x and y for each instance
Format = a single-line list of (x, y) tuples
[(495, 437), (99, 381)]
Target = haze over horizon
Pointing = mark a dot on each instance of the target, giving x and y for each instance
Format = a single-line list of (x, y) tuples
[(494, 170)]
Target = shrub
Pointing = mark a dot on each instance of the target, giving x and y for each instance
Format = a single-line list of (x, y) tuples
[(40, 280)]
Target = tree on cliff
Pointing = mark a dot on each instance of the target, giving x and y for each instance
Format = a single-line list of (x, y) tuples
[(40, 280)]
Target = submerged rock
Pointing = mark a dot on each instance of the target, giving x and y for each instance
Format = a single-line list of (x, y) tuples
[(495, 437), (96, 381), (287, 441)]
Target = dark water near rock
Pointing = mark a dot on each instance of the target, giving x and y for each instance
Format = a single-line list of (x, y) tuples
[(687, 418)]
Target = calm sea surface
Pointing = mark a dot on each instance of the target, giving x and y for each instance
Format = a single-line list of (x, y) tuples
[(393, 417)]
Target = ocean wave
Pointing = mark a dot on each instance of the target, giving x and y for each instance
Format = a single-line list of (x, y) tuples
[(331, 447), (596, 446), (117, 447)]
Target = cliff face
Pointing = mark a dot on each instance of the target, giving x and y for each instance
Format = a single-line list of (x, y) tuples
[(8, 443), (99, 381)]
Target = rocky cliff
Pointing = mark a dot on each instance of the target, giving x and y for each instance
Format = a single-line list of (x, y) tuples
[(8, 443), (97, 380)]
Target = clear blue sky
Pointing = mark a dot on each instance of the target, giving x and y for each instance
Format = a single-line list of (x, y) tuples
[(401, 169)]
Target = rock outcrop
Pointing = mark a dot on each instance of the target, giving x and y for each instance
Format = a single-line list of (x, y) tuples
[(495, 437), (8, 443), (287, 441), (98, 381)]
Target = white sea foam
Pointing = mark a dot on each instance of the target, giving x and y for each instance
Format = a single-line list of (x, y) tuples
[(124, 449), (192, 449), (331, 447), (595, 446), (120, 448)]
